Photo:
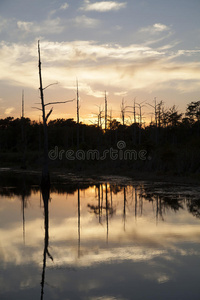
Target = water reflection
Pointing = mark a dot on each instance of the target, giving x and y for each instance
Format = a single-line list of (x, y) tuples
[(24, 204), (46, 199), (107, 240), (79, 223)]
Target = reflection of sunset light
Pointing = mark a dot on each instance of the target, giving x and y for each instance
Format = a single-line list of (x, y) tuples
[(126, 233), (142, 231)]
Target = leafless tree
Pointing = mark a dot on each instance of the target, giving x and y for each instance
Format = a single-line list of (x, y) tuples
[(106, 111), (23, 164), (78, 109), (45, 171)]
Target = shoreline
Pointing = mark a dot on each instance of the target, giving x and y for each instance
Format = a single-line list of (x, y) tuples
[(60, 175)]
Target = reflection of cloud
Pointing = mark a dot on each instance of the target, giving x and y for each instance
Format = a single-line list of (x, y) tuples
[(90, 257), (103, 6), (157, 276), (146, 251)]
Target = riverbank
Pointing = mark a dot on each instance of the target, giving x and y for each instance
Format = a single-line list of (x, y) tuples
[(63, 175)]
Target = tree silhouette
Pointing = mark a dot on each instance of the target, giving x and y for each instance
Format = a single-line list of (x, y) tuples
[(45, 171)]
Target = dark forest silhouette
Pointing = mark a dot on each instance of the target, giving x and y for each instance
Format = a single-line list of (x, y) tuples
[(171, 142)]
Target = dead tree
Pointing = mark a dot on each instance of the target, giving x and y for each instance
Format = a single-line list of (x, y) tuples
[(23, 163), (156, 119), (140, 120), (99, 117), (123, 112), (77, 109), (106, 111), (45, 172)]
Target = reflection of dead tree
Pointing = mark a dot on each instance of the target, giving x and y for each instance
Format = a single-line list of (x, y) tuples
[(79, 223), (135, 203), (98, 209), (124, 210), (141, 204), (193, 206), (107, 209), (99, 199), (46, 197), (24, 205), (161, 202)]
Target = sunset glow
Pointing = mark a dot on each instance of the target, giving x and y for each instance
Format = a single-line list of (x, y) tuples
[(129, 49)]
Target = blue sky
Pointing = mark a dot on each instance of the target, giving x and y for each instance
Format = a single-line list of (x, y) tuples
[(141, 49)]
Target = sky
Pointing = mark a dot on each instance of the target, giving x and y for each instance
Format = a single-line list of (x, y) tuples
[(130, 49)]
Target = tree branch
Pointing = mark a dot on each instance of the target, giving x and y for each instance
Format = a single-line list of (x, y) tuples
[(37, 108), (49, 113), (49, 85), (60, 102)]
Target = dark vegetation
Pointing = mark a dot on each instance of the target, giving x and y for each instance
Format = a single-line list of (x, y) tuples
[(171, 142)]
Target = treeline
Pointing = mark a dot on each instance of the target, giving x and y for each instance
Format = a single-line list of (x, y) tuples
[(171, 140)]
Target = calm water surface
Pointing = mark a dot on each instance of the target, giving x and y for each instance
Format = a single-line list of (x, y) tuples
[(103, 241)]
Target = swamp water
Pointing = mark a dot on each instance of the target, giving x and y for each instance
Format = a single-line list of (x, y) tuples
[(107, 240)]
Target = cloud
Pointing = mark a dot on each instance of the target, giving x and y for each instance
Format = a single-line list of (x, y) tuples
[(123, 93), (9, 110), (64, 6), (52, 26), (49, 26), (99, 66), (160, 27), (25, 26), (85, 21), (103, 6), (156, 28), (3, 24)]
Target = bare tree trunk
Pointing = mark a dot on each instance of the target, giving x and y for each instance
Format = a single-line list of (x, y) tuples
[(23, 164), (123, 112), (106, 111), (45, 170), (78, 107)]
